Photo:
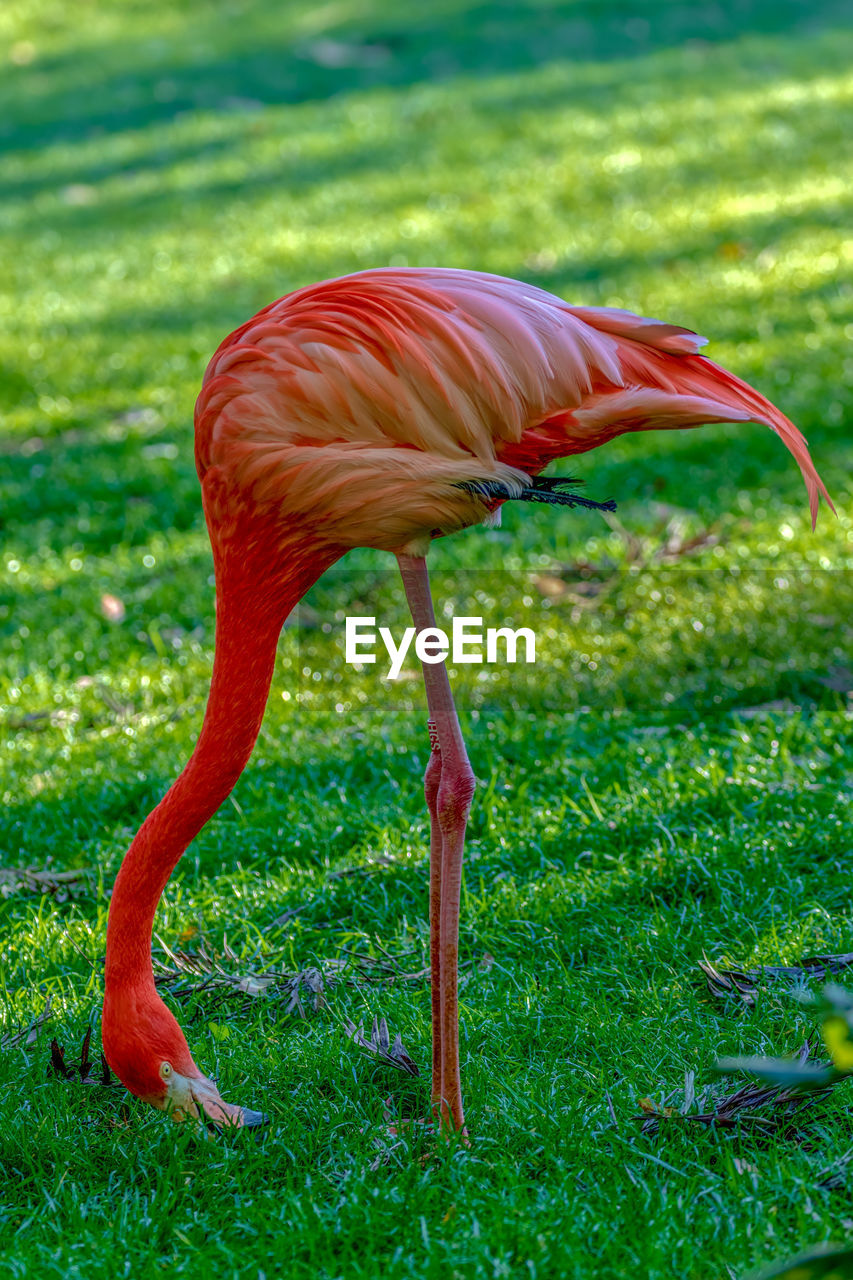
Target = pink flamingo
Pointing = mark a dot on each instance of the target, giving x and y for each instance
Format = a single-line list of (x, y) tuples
[(381, 409)]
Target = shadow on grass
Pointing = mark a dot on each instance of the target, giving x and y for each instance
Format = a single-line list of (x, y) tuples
[(297, 176), (308, 781), (142, 84), (760, 231)]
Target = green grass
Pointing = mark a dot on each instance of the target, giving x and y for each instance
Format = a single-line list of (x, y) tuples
[(168, 169)]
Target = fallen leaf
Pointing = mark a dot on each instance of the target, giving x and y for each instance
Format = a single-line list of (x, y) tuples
[(550, 587), (57, 1060), (764, 1107), (312, 979), (112, 608), (689, 1092), (255, 985), (339, 53), (379, 1045), (650, 1108), (744, 982), (83, 1070), (22, 53), (79, 193)]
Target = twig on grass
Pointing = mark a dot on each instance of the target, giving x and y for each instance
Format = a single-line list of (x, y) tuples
[(765, 1108), (743, 983), (379, 863), (836, 1176), (61, 885), (223, 977), (285, 916), (201, 972), (387, 970), (27, 1035)]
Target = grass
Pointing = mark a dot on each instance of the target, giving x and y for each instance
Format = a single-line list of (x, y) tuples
[(671, 777)]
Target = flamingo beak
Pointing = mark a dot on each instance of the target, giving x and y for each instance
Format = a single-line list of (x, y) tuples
[(197, 1098)]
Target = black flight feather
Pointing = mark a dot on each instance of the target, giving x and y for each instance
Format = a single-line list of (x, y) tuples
[(541, 489)]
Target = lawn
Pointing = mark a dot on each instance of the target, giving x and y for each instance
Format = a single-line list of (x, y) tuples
[(671, 778)]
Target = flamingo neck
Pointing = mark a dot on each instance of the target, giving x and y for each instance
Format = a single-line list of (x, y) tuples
[(250, 611)]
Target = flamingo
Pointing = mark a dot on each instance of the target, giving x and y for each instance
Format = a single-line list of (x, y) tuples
[(381, 409)]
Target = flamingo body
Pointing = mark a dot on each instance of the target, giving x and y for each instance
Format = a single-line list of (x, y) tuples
[(359, 405), (365, 411)]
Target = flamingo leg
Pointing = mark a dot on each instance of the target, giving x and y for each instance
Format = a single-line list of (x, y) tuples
[(449, 809), (432, 781)]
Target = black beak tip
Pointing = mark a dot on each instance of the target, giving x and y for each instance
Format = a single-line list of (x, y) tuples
[(255, 1119)]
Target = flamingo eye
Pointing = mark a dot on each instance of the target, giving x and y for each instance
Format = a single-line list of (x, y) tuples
[(165, 1070)]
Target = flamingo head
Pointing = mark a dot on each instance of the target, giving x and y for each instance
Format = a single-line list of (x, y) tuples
[(147, 1050)]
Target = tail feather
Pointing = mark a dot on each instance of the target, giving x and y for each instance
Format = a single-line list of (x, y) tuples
[(697, 391), (760, 409), (652, 333), (687, 391)]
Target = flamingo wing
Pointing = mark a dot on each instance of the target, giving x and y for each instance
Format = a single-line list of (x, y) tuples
[(361, 405)]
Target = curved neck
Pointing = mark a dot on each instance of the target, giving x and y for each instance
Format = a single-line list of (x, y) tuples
[(251, 608)]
